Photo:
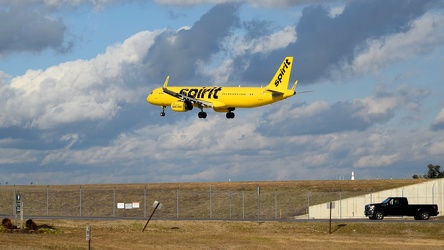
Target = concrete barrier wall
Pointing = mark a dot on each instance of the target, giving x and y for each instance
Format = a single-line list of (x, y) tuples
[(430, 192)]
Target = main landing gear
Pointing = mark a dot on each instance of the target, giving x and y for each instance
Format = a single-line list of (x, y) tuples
[(230, 114), (202, 114)]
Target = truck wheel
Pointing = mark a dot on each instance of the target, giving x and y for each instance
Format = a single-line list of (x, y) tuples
[(379, 215), (424, 215)]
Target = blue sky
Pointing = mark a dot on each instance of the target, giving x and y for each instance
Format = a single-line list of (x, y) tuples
[(74, 76)]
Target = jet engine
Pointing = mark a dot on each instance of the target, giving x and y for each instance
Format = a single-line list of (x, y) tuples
[(181, 106)]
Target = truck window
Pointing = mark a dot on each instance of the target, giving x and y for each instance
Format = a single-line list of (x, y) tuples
[(387, 200)]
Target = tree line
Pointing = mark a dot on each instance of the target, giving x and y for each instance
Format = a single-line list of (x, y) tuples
[(433, 172)]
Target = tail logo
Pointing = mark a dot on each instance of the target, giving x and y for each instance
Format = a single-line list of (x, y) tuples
[(282, 72)]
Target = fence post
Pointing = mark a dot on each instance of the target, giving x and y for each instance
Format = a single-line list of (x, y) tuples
[(211, 202), (177, 203), (13, 201), (144, 202), (80, 201), (258, 204), (243, 204), (275, 205), (13, 206), (114, 202), (308, 208), (47, 200)]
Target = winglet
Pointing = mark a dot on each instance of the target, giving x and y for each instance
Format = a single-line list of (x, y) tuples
[(165, 85), (294, 86)]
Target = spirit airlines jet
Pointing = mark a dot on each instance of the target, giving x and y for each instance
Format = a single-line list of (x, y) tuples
[(224, 99)]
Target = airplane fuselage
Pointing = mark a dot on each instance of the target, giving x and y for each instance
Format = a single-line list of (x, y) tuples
[(221, 97)]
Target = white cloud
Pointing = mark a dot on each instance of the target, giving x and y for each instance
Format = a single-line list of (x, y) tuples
[(424, 34), (303, 112), (75, 91), (376, 106), (436, 148), (376, 160), (253, 3), (334, 11), (439, 119), (17, 156), (265, 44)]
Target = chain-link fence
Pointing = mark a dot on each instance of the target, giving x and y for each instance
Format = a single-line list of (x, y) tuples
[(203, 203), (137, 202)]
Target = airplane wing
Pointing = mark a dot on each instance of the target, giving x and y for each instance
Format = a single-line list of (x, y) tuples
[(183, 97)]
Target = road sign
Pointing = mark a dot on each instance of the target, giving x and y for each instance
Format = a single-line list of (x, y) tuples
[(157, 205)]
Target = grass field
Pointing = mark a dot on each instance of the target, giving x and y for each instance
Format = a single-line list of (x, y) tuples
[(170, 234), (179, 234)]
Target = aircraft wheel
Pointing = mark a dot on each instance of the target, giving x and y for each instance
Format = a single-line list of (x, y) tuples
[(230, 115), (162, 113), (202, 115)]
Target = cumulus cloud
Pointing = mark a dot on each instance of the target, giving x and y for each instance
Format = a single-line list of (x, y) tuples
[(27, 29), (438, 124), (177, 53), (360, 114), (325, 42), (74, 91), (254, 3), (422, 36), (376, 160)]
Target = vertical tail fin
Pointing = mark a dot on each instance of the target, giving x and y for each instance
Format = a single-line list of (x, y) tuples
[(279, 83)]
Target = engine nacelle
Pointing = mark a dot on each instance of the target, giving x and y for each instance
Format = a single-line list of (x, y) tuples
[(181, 106)]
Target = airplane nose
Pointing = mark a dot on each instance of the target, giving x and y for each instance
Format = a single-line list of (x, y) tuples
[(150, 98)]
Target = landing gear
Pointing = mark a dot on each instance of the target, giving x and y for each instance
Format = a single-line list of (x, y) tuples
[(201, 114), (163, 111), (230, 114)]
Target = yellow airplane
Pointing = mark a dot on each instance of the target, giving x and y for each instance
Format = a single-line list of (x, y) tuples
[(224, 99)]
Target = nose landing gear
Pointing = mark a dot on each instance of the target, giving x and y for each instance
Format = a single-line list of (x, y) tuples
[(163, 111)]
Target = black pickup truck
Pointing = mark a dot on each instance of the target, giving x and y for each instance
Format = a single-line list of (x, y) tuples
[(399, 206)]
